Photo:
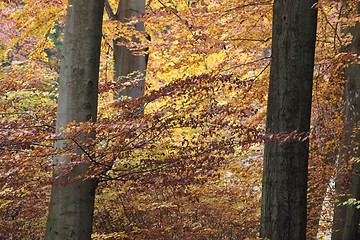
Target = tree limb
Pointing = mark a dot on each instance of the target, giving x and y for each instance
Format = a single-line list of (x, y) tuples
[(109, 11)]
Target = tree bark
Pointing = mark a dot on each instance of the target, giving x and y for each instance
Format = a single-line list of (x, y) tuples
[(347, 218), (72, 202), (283, 210), (125, 62)]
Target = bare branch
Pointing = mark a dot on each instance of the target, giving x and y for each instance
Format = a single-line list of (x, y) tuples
[(25, 112), (249, 5), (248, 39)]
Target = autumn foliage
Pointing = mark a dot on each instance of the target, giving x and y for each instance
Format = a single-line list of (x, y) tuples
[(185, 160)]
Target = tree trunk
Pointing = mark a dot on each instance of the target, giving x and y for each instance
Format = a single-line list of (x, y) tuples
[(346, 218), (125, 60), (283, 210), (72, 204)]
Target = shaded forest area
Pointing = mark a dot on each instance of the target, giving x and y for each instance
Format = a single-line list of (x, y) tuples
[(179, 119)]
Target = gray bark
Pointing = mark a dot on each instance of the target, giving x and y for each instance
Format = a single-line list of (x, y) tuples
[(283, 210), (72, 203), (346, 218), (125, 60)]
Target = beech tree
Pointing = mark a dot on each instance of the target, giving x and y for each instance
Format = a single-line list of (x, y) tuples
[(129, 64), (189, 166), (284, 187), (347, 182), (72, 199)]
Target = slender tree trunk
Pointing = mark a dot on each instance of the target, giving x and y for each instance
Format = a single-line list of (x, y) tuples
[(125, 60), (283, 210), (72, 204), (347, 218)]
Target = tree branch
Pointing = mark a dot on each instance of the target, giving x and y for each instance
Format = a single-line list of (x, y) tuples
[(109, 11)]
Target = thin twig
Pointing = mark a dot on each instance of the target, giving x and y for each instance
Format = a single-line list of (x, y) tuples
[(249, 5), (248, 39), (109, 11), (25, 112), (335, 30), (186, 22), (89, 156), (244, 64)]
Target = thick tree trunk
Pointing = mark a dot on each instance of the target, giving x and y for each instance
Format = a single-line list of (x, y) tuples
[(125, 62), (283, 210), (346, 218), (72, 204)]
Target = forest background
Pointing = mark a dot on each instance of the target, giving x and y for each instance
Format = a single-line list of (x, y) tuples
[(183, 161)]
